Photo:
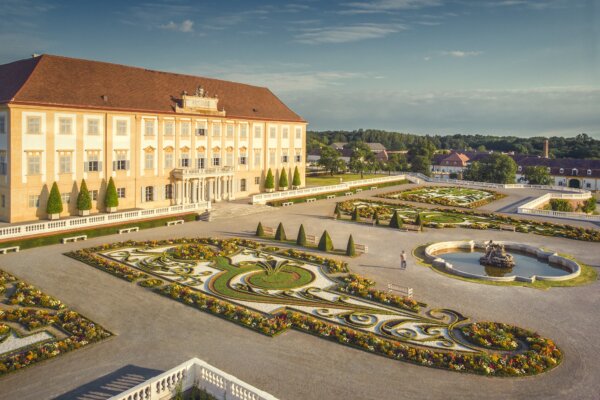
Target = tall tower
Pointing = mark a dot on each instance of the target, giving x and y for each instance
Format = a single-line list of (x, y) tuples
[(546, 148)]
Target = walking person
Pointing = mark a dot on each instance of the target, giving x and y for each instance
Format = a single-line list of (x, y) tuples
[(403, 260)]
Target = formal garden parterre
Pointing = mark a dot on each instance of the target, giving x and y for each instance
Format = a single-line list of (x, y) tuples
[(35, 326), (374, 210), (446, 196), (270, 290)]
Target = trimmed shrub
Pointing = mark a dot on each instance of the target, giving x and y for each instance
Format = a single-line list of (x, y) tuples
[(561, 205), (355, 214), (280, 234), (325, 243), (589, 206), (396, 221), (301, 239), (111, 199), (283, 180), (338, 214), (269, 180), (84, 201), (296, 181), (260, 232), (419, 220), (54, 205), (377, 220), (350, 249)]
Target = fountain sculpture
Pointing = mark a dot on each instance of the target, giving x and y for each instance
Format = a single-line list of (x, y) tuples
[(496, 256)]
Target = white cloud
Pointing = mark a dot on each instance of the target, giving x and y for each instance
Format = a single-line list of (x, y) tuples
[(186, 26), (460, 53), (385, 6), (345, 34)]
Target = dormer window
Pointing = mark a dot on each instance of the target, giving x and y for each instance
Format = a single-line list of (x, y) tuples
[(589, 172), (562, 170), (520, 168), (548, 169), (574, 171)]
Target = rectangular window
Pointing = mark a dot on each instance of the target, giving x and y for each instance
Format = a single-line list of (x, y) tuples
[(272, 157), (257, 180), (242, 185), (2, 124), (33, 165), (149, 160), (273, 132), (229, 159), (34, 201), (65, 126), (257, 132), (122, 128), (298, 158), (92, 164), (121, 193), (121, 163), (257, 158), (149, 193), (284, 158), (216, 161), (200, 162), (185, 128), (284, 133), (64, 164), (168, 192), (3, 201), (243, 160), (168, 160), (229, 131), (185, 160), (94, 195), (200, 131), (34, 125), (66, 198), (169, 128), (93, 127), (216, 129), (298, 133), (3, 163), (149, 127), (243, 131)]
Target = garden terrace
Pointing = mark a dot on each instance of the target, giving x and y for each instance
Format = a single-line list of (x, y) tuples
[(270, 290)]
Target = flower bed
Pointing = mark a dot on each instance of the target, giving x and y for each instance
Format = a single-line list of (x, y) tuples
[(492, 335), (357, 285), (332, 265), (151, 283), (446, 196), (192, 252), (27, 295)]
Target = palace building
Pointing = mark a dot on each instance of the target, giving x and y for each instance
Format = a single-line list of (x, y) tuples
[(164, 138)]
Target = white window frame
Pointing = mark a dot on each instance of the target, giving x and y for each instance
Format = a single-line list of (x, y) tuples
[(35, 168), (28, 123), (65, 125), (89, 131), (62, 163), (169, 127), (121, 192), (119, 125), (149, 127), (3, 123), (168, 159), (148, 160)]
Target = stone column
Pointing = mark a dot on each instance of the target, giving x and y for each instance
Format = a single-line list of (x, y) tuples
[(232, 193)]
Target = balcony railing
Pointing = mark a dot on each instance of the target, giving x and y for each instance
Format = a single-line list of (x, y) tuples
[(201, 172)]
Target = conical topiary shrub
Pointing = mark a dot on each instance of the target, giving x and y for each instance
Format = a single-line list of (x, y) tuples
[(350, 250), (111, 199), (280, 234), (269, 181), (54, 206), (301, 239), (396, 221), (355, 214), (325, 243), (338, 213), (283, 180), (260, 231), (377, 220), (419, 220), (84, 201), (296, 181)]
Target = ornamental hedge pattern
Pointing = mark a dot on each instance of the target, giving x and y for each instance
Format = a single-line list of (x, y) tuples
[(347, 309)]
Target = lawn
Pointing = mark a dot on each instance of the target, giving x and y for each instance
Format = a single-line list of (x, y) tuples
[(325, 180)]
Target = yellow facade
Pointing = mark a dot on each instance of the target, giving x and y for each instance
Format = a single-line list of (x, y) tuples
[(71, 151)]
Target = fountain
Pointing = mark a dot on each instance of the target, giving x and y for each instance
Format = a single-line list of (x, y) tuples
[(496, 256)]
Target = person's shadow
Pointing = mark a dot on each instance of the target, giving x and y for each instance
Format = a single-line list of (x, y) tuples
[(112, 384)]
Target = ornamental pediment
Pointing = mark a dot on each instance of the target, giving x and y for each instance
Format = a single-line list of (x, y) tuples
[(200, 103)]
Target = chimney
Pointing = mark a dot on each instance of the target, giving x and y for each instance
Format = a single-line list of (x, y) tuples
[(546, 148)]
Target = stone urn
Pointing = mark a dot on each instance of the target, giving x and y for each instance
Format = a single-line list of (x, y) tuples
[(53, 217), (111, 209), (84, 213)]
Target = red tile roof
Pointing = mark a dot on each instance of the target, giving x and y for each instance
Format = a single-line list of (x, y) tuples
[(69, 82)]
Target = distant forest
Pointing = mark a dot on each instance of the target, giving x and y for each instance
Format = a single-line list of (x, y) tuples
[(580, 146)]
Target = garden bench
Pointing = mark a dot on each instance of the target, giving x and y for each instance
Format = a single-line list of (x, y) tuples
[(287, 203), (312, 239), (410, 227), (404, 290), (73, 239), (373, 187), (331, 196), (13, 249), (312, 199), (348, 194), (127, 230), (358, 190), (175, 222), (361, 248), (506, 227), (269, 231)]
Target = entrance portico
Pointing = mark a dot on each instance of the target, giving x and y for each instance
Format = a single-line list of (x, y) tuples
[(200, 185)]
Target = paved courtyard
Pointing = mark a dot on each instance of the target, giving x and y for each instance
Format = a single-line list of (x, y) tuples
[(153, 333)]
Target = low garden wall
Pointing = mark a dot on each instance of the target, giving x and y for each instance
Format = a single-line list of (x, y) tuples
[(569, 265)]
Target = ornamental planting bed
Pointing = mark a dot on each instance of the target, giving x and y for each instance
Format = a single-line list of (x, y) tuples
[(454, 218), (36, 327), (446, 196), (270, 290)]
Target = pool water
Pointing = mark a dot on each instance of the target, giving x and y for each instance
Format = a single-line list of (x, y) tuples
[(525, 265)]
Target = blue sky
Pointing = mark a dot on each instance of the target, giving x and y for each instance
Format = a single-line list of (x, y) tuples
[(509, 67)]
